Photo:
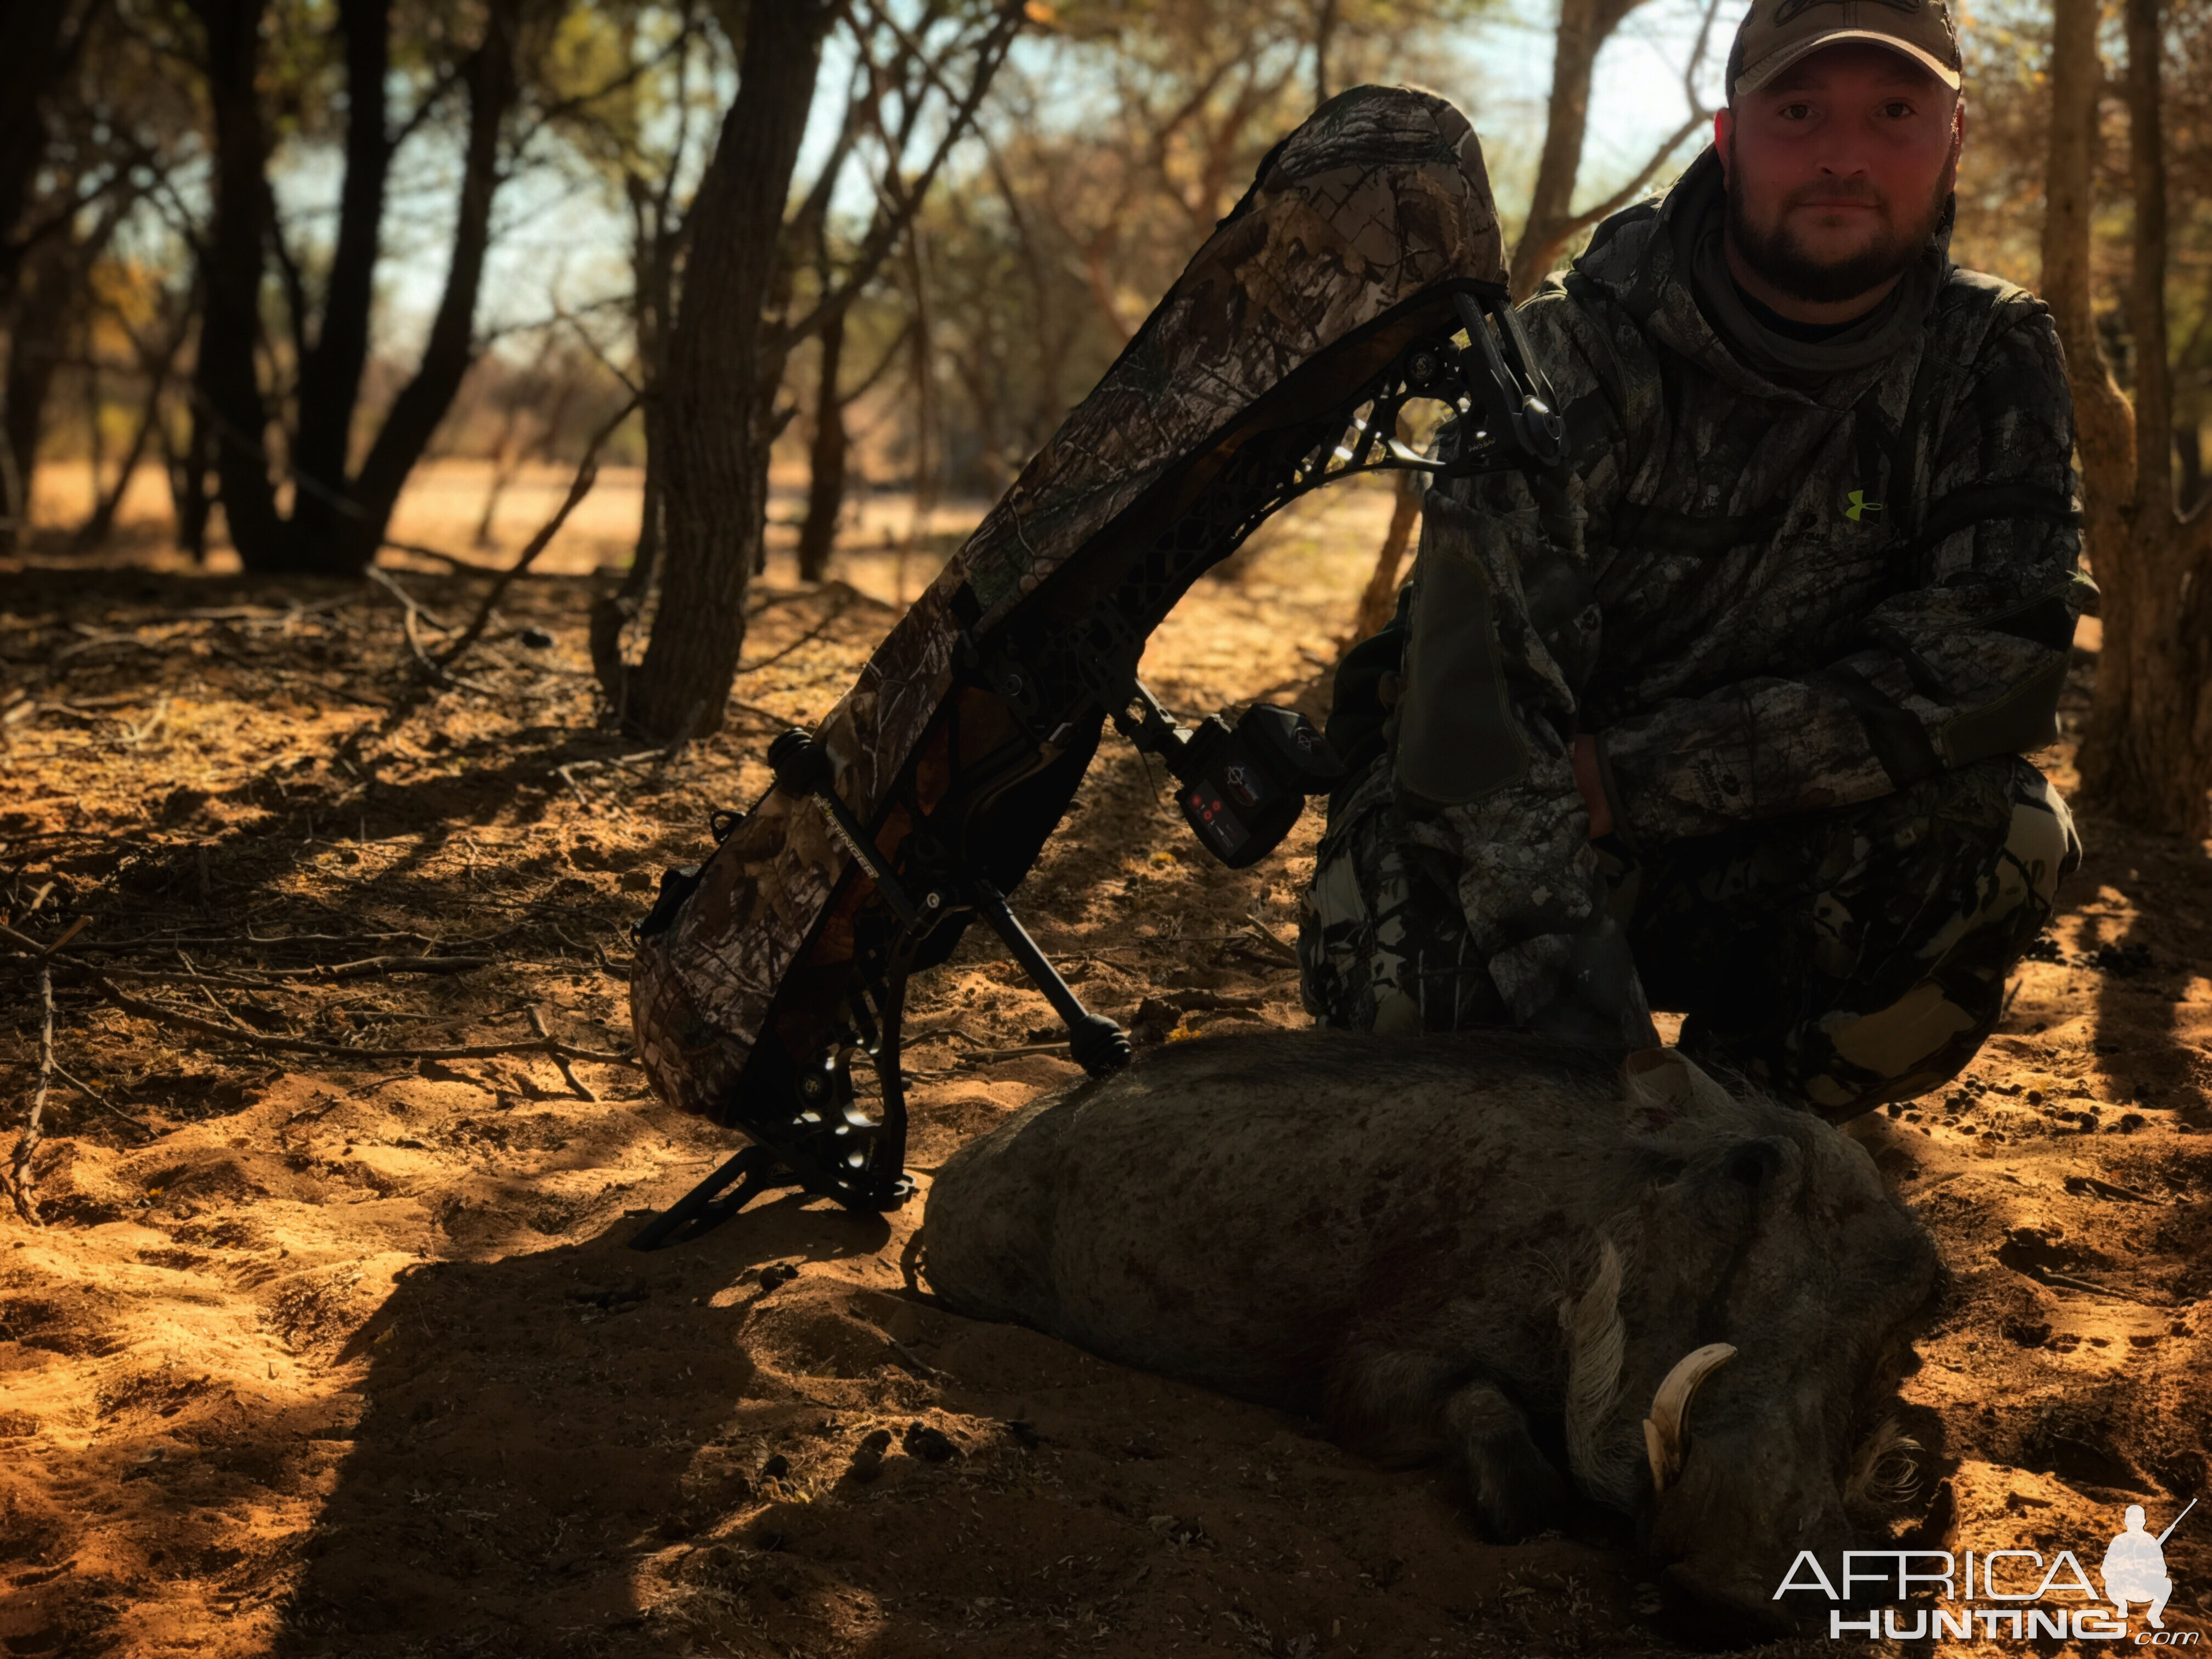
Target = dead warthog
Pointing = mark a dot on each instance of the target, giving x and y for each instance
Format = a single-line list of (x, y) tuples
[(1495, 1248)]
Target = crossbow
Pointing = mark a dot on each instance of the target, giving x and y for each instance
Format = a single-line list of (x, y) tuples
[(1031, 694)]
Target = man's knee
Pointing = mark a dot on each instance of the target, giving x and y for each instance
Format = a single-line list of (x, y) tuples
[(2040, 843), (1999, 883), (1953, 881)]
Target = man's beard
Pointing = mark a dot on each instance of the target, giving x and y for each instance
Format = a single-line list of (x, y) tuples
[(1779, 256)]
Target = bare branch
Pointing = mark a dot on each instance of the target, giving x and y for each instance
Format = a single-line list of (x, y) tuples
[(1634, 188), (905, 198), (448, 78), (679, 46), (295, 283), (890, 355), (599, 353), (1699, 116), (587, 473)]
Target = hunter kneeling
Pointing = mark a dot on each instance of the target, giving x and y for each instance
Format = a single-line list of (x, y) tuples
[(1727, 717)]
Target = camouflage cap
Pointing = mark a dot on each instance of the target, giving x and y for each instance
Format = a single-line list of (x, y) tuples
[(1777, 34)]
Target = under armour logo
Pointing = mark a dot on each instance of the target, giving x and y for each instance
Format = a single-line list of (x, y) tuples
[(1860, 506)]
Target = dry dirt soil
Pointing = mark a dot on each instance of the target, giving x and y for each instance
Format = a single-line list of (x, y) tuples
[(340, 1351)]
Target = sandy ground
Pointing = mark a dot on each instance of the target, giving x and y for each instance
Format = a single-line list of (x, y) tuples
[(335, 1354)]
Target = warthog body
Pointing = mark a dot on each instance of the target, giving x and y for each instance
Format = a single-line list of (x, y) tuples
[(1493, 1248)]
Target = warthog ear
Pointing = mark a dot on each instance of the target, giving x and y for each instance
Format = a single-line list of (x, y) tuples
[(1663, 1087)]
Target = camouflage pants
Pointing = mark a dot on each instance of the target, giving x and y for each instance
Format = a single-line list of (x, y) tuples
[(1494, 913), (1843, 959)]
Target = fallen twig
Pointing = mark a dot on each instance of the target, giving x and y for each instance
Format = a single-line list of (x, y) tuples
[(1271, 944), (69, 933), (808, 637), (380, 967), (605, 966), (236, 1022), (26, 1143), (438, 553), (100, 1099), (431, 668), (587, 474), (384, 580), (912, 1361), (277, 978), (94, 641), (205, 941), (628, 762), (958, 1036), (2069, 1282), (177, 1019), (538, 1025)]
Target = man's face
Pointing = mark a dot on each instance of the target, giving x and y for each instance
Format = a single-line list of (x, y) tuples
[(1837, 170)]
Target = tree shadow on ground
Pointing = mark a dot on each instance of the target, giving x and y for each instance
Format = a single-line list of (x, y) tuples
[(2145, 907)]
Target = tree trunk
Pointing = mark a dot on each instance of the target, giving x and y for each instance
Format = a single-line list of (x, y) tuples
[(331, 370), (1584, 27), (928, 423), (335, 528), (1381, 597), (2148, 756), (825, 486), (2154, 389), (450, 349), (229, 388), (188, 487), (1325, 21), (96, 435), (93, 532), (37, 345), (653, 244), (2103, 424), (725, 360), (31, 47), (2189, 462), (30, 377), (506, 462)]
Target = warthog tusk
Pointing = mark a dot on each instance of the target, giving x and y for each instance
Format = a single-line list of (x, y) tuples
[(1666, 1432)]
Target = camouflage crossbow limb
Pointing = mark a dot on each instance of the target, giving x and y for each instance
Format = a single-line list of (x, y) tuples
[(1364, 270)]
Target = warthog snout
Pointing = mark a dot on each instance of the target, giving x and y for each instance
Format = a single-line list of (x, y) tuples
[(1727, 1529), (1740, 1502)]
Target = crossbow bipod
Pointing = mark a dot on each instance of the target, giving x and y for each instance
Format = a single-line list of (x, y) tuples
[(1043, 680)]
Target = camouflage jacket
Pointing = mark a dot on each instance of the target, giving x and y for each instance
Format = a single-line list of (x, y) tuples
[(1764, 598)]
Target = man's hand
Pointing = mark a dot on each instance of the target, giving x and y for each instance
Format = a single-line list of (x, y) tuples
[(1591, 783)]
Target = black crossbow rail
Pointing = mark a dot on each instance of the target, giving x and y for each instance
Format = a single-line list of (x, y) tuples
[(1063, 662)]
